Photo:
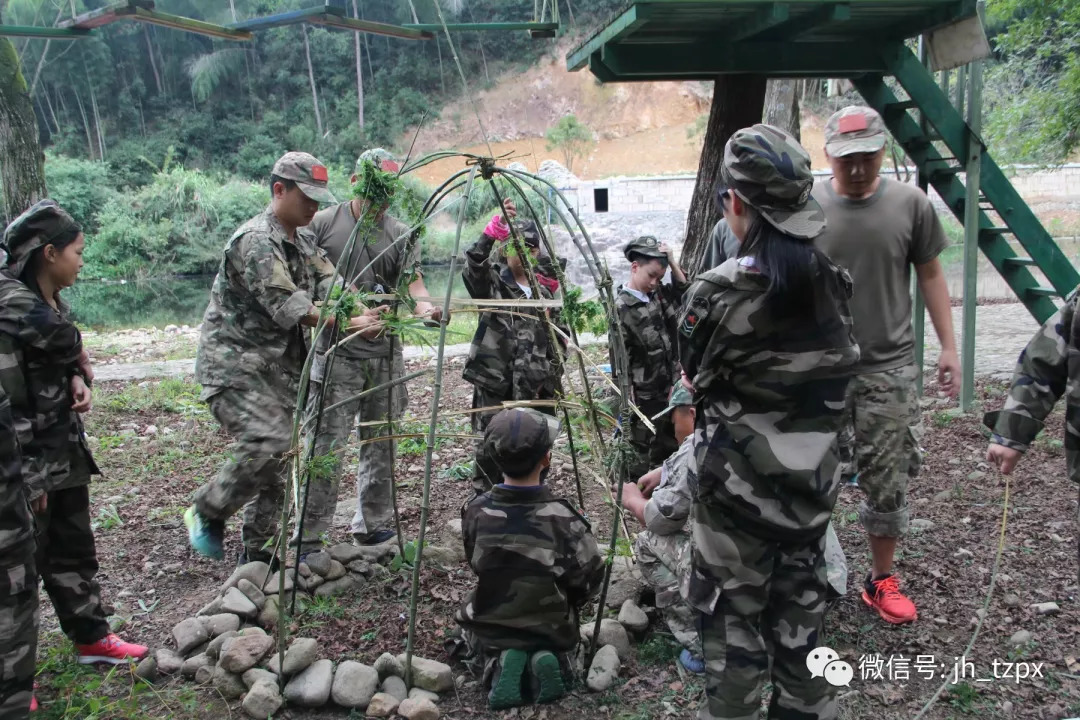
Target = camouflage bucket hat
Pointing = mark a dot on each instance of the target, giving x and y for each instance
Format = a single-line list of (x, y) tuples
[(517, 438), (382, 159), (854, 129), (680, 397), (530, 234), (44, 223), (646, 245), (307, 172), (770, 171)]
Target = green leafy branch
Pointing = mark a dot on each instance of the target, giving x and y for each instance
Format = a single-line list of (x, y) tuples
[(583, 315)]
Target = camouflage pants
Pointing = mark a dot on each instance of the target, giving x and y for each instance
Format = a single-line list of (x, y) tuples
[(67, 562), (664, 561), (761, 603), (888, 426), (650, 450), (18, 640), (260, 422), (374, 508), (481, 660)]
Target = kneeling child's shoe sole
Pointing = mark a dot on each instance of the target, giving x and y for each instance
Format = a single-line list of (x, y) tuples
[(506, 687)]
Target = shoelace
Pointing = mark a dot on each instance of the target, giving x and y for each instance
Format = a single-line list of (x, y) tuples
[(887, 586)]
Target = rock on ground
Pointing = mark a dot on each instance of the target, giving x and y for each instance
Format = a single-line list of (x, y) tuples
[(420, 694), (236, 602), (192, 664), (430, 675), (254, 572), (229, 685), (354, 685), (1046, 608), (311, 688), (213, 649), (268, 616), (302, 653), (337, 570), (1020, 637), (319, 562), (211, 608), (626, 582), (445, 556), (147, 669), (611, 633), (188, 635), (418, 709), (256, 675), (632, 617), (252, 593), (604, 669), (388, 665), (245, 652), (337, 587), (222, 622), (204, 674), (453, 527), (273, 583), (382, 705), (262, 700), (394, 686)]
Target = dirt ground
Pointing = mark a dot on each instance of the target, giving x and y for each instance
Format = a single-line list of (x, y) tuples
[(149, 575)]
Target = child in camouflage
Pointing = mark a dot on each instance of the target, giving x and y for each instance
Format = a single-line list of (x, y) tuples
[(536, 563)]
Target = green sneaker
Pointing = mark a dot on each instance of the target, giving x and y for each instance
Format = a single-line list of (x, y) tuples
[(206, 537), (506, 685), (547, 676)]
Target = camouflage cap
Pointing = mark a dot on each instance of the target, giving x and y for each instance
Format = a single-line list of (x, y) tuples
[(680, 397), (518, 438), (383, 160), (770, 171), (44, 223), (646, 245), (529, 233), (307, 172), (854, 129)]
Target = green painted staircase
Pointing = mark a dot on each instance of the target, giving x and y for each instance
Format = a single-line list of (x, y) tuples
[(997, 195)]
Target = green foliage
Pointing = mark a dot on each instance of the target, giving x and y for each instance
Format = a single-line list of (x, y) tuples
[(171, 396), (583, 315), (81, 187), (658, 650), (962, 696), (108, 518), (571, 136), (401, 561)]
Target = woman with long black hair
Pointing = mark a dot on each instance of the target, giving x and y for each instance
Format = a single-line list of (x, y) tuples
[(46, 374), (766, 340)]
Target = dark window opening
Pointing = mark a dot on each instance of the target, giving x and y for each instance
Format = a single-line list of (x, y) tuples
[(600, 199)]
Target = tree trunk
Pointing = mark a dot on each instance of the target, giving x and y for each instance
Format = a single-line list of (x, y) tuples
[(153, 62), (86, 124), (442, 77), (359, 74), (44, 54), (782, 105), (52, 110), (22, 164), (311, 77), (738, 101)]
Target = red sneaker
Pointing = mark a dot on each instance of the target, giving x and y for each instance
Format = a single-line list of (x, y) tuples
[(884, 596), (110, 649)]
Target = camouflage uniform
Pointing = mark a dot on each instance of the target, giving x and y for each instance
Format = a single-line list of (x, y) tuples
[(769, 390), (250, 358), (510, 357), (653, 360), (1045, 372), (39, 353), (18, 579)]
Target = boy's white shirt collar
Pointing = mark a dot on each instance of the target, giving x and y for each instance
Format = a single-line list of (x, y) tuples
[(636, 293)]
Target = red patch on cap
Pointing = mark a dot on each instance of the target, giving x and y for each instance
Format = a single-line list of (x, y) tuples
[(390, 166), (851, 123), (318, 172)]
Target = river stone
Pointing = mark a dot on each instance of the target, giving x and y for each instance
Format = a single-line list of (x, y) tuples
[(273, 582), (345, 553), (354, 685), (394, 686), (362, 567), (236, 602), (192, 664), (311, 583), (337, 570), (222, 622), (626, 582), (254, 572), (262, 700), (1046, 608), (252, 593), (302, 652), (319, 562), (430, 675), (188, 635), (611, 633), (147, 669), (388, 665), (337, 587), (256, 675), (420, 694), (211, 608), (633, 618), (1020, 637), (604, 669), (382, 705), (311, 688), (920, 525), (453, 527), (418, 709), (268, 616), (204, 674), (213, 650), (245, 652), (445, 556), (229, 685), (168, 662)]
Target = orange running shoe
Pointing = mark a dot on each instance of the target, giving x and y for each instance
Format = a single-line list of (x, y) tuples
[(110, 649), (892, 605)]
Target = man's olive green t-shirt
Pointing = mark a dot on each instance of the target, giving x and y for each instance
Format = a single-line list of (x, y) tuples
[(878, 239), (378, 257)]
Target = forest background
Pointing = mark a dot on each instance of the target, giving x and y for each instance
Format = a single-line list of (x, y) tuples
[(160, 142)]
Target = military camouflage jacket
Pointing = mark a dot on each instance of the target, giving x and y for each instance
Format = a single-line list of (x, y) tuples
[(536, 563), (669, 507), (265, 284), (16, 521), (510, 355), (649, 333), (1048, 368), (39, 351), (769, 393)]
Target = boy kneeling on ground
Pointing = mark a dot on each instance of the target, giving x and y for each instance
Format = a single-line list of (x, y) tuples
[(536, 563)]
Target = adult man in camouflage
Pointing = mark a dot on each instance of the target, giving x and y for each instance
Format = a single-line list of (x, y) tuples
[(384, 256), (1046, 371), (18, 578), (536, 563), (766, 339), (252, 351)]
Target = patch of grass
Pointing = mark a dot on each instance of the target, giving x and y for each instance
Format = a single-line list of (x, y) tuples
[(459, 471), (325, 607), (941, 419), (658, 650), (962, 696), (170, 395), (108, 519)]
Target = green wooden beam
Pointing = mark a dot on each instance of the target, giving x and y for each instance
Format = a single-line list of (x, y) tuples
[(763, 19), (104, 15), (482, 27), (634, 17), (367, 26), (778, 59), (281, 19), (802, 24), (50, 33), (143, 11), (601, 71)]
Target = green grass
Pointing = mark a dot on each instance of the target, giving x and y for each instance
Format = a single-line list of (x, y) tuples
[(658, 650), (171, 396)]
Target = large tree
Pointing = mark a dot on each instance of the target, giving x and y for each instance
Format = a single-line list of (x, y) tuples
[(738, 101), (22, 163), (782, 105)]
